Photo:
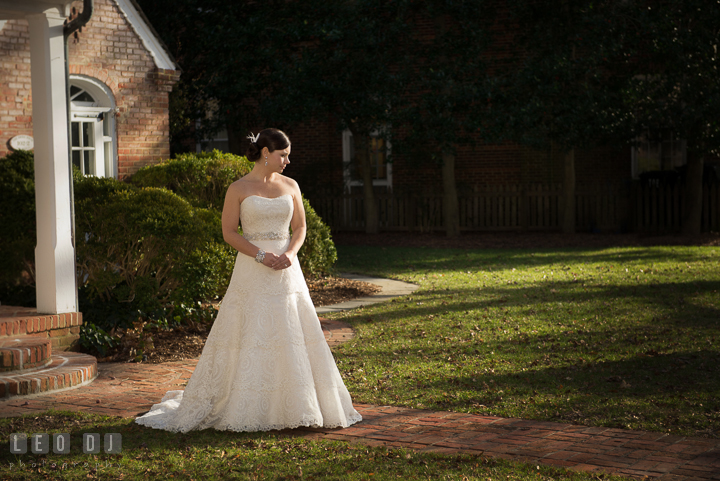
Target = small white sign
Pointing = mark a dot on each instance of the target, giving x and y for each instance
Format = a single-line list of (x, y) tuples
[(22, 142)]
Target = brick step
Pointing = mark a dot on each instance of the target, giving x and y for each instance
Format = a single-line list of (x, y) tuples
[(66, 370), (62, 329), (23, 353)]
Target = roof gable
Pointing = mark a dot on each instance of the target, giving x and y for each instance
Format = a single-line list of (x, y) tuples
[(150, 39)]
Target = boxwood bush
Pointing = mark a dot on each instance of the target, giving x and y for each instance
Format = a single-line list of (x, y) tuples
[(147, 247), (17, 218), (202, 179)]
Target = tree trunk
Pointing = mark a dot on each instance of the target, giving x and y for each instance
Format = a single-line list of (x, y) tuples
[(692, 210), (362, 156), (451, 210), (568, 220)]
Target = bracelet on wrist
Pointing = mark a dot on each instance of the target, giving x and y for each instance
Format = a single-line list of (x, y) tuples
[(260, 256)]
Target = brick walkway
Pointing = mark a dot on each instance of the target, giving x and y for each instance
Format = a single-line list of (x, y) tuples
[(129, 389)]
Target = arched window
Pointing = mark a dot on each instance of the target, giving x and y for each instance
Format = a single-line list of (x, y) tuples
[(92, 127)]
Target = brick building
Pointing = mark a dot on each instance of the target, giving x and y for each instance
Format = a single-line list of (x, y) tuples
[(120, 78)]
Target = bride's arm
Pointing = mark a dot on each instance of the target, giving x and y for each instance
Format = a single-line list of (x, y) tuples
[(230, 223), (299, 229)]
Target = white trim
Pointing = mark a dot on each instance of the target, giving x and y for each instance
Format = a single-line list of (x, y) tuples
[(148, 38), (13, 9), (105, 159), (102, 94)]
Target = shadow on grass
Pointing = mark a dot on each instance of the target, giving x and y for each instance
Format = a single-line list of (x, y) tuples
[(672, 296), (413, 260)]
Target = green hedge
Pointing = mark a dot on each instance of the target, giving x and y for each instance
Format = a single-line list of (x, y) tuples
[(202, 179), (17, 218), (148, 247)]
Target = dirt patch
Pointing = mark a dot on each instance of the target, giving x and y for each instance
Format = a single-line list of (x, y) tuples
[(187, 341), (333, 290)]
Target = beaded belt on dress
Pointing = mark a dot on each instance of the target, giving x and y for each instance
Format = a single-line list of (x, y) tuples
[(267, 236)]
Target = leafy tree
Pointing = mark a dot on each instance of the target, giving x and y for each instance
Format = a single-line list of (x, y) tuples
[(565, 88), (236, 59), (450, 91), (357, 72), (677, 88)]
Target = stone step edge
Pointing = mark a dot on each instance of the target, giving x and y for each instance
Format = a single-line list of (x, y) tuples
[(21, 354), (40, 323), (68, 370)]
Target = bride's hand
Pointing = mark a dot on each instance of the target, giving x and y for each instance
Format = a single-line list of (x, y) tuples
[(270, 259), (283, 261)]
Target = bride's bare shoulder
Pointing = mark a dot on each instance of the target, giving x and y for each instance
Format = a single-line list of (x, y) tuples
[(238, 190), (289, 184)]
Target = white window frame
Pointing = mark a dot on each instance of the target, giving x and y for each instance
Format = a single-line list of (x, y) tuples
[(101, 114), (347, 158)]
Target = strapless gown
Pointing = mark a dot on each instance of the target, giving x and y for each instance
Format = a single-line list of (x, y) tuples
[(265, 364)]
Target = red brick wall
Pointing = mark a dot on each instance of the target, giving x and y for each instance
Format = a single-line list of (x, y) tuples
[(109, 50), (15, 102)]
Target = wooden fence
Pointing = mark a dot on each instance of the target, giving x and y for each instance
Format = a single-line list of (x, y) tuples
[(660, 208), (526, 207)]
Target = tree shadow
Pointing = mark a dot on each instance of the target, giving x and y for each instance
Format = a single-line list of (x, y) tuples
[(409, 260), (674, 297)]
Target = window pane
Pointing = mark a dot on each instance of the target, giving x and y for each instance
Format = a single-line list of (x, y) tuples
[(74, 90), (88, 156), (76, 159), (75, 129), (87, 133), (85, 97)]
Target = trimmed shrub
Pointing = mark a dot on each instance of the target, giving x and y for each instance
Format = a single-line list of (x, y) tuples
[(146, 248), (202, 179), (17, 218), (317, 254)]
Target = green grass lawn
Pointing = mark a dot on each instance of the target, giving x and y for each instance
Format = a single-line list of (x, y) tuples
[(624, 337), (219, 455), (616, 337)]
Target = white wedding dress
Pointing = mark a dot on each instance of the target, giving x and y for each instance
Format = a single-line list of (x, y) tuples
[(265, 364)]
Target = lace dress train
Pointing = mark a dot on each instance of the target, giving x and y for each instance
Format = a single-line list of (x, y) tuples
[(265, 364)]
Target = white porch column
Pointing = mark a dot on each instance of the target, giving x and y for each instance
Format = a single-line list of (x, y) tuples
[(54, 254)]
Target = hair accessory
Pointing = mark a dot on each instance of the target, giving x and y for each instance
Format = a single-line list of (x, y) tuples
[(254, 138)]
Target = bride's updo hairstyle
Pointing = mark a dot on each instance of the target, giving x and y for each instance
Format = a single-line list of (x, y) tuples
[(273, 139)]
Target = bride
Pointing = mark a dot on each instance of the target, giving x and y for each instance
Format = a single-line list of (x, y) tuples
[(265, 364)]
